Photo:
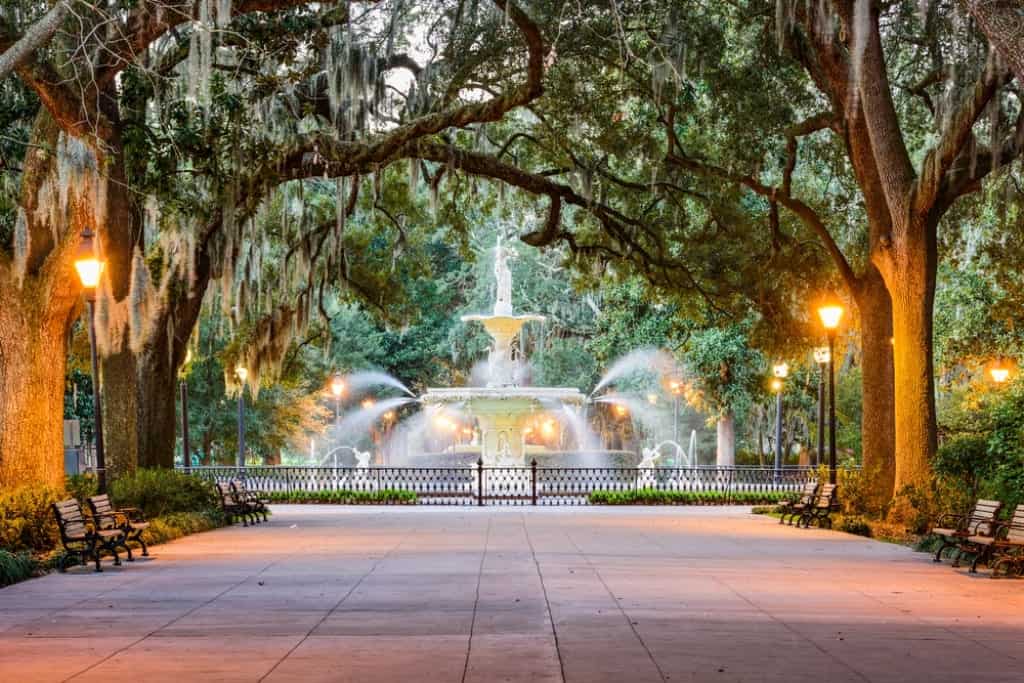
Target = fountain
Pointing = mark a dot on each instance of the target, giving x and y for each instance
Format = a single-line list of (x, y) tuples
[(502, 409)]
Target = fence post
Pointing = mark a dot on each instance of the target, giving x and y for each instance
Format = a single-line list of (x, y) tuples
[(480, 482), (533, 481), (728, 488)]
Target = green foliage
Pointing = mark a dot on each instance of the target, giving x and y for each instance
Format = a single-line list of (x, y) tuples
[(852, 524), (1004, 472), (658, 497), (26, 518), (15, 567), (964, 460), (178, 524), (159, 492), (344, 496), (81, 487), (729, 373)]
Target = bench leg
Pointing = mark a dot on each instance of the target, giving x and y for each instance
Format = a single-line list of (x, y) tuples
[(94, 552), (145, 549), (984, 556), (938, 555), (127, 548)]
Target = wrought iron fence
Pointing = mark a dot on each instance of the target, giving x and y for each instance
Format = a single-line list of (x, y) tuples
[(530, 485)]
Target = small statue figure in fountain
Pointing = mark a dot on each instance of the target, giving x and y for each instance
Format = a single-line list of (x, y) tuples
[(504, 451), (645, 468), (503, 276), (362, 459), (361, 478)]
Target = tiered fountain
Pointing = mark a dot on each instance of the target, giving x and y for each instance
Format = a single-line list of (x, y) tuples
[(502, 408)]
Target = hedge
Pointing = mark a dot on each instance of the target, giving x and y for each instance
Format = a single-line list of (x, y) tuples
[(344, 497), (657, 497)]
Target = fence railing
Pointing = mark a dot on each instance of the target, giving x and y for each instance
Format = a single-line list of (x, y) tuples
[(529, 485)]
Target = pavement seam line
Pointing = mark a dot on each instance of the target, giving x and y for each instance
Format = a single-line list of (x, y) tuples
[(476, 601), (338, 604), (792, 630), (169, 623), (618, 604), (547, 602)]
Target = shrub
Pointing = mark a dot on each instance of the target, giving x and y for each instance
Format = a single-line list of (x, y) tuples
[(659, 497), (26, 520), (178, 524), (852, 524), (81, 487), (159, 492), (344, 496), (15, 567)]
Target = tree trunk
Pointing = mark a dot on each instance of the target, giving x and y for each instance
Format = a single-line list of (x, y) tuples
[(32, 364), (911, 282), (878, 425), (157, 419), (725, 453)]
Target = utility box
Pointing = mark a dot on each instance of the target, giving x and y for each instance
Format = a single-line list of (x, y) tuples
[(78, 457)]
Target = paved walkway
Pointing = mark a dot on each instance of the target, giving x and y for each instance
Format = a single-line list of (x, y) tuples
[(604, 594)]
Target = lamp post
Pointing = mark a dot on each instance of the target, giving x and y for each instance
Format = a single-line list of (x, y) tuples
[(781, 371), (831, 312), (676, 387), (186, 451), (338, 389), (821, 356), (90, 267), (242, 373)]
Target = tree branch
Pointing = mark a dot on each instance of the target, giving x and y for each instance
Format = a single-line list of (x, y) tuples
[(957, 134), (35, 37)]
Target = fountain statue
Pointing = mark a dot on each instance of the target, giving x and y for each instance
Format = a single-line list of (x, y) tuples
[(362, 459), (503, 276), (502, 408)]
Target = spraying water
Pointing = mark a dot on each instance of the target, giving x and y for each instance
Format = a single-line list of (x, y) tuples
[(359, 421), (368, 379), (640, 410), (645, 360)]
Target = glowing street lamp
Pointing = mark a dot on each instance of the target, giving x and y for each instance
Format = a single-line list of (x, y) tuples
[(242, 373), (620, 410), (831, 313), (999, 371), (781, 370), (90, 267), (338, 389), (338, 386), (367, 403)]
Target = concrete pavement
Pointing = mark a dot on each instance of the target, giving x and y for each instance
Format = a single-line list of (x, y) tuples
[(326, 593)]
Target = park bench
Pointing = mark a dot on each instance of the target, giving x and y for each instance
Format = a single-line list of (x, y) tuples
[(1004, 548), (233, 508), (81, 538), (820, 512), (795, 508), (128, 520), (954, 528), (251, 499)]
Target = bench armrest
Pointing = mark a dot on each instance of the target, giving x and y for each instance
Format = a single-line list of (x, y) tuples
[(951, 520), (118, 516)]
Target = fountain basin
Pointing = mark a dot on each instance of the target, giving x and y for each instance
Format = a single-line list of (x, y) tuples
[(502, 414)]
